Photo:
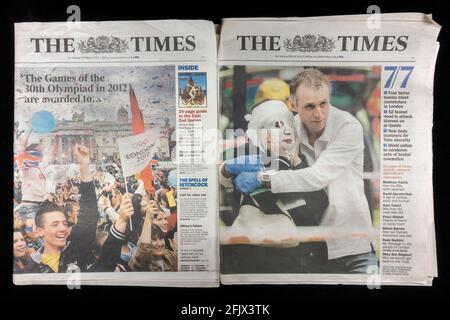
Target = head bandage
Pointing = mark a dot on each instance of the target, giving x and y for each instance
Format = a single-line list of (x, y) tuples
[(265, 116)]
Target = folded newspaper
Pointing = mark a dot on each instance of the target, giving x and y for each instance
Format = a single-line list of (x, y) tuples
[(298, 152)]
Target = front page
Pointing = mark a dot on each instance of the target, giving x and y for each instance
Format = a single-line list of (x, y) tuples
[(327, 156), (110, 182)]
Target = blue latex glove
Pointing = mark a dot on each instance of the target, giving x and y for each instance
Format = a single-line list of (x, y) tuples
[(247, 182), (240, 164)]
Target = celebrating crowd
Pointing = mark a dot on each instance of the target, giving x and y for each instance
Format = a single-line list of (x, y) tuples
[(96, 221)]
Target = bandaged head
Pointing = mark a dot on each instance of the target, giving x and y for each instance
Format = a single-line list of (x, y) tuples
[(270, 125)]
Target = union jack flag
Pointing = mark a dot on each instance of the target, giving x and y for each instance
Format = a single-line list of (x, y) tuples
[(28, 159)]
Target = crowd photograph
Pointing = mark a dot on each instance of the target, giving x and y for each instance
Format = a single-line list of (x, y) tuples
[(74, 209)]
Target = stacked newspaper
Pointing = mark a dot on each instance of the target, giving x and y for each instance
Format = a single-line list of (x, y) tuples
[(298, 152)]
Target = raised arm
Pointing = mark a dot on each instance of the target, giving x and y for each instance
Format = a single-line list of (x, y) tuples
[(146, 235), (141, 260), (82, 157), (23, 140), (117, 234), (83, 233)]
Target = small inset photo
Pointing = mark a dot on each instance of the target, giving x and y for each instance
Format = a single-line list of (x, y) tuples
[(192, 89)]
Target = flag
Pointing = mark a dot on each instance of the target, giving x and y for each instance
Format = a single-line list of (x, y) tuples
[(137, 121), (135, 152), (28, 159)]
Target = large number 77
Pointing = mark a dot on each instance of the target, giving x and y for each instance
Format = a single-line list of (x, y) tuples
[(394, 73)]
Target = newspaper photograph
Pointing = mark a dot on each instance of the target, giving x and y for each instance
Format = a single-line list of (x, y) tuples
[(326, 154), (107, 186)]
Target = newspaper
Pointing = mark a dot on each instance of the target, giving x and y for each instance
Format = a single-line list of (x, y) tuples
[(109, 173), (298, 152), (327, 150)]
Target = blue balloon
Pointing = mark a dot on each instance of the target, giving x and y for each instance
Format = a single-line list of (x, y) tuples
[(43, 122), (172, 178)]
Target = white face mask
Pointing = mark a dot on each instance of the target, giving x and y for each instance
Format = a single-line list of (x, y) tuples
[(284, 136), (272, 118)]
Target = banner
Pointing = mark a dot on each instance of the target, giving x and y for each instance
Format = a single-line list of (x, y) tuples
[(136, 152)]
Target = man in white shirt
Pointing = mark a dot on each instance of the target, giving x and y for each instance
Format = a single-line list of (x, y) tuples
[(332, 141)]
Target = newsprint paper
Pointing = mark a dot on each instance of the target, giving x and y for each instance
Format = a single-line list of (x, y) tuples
[(110, 182), (331, 120), (298, 152)]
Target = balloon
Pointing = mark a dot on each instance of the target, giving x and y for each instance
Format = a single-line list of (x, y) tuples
[(172, 178), (43, 122)]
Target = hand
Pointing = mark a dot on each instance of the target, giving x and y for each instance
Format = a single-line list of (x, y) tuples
[(296, 160), (106, 189), (151, 210), (126, 209), (247, 182), (173, 242), (144, 204), (240, 164), (81, 155)]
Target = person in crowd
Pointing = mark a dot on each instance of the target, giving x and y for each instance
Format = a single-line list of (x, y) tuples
[(112, 251), (161, 220), (61, 253), (22, 260), (32, 239), (71, 210), (31, 165), (152, 254)]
